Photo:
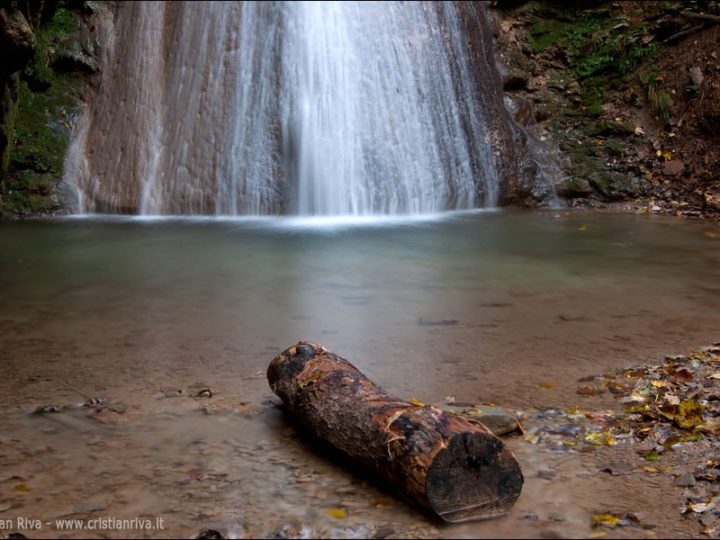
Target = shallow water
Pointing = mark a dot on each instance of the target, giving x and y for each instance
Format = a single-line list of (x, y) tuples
[(481, 306)]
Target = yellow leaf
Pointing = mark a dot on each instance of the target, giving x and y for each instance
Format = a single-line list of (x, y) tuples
[(607, 520), (667, 156), (543, 384), (601, 438), (22, 488), (532, 438), (648, 468), (658, 153), (582, 228), (337, 513), (689, 414), (658, 384), (416, 402)]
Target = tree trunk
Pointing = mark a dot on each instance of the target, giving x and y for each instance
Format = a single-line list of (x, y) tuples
[(452, 465)]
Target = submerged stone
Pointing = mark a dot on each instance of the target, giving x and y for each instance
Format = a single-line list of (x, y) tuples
[(497, 419)]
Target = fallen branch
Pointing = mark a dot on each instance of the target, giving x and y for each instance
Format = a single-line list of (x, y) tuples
[(713, 19), (452, 465), (685, 33)]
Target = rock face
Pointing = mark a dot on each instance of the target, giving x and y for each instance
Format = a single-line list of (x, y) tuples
[(628, 91), (528, 167), (17, 41), (49, 54)]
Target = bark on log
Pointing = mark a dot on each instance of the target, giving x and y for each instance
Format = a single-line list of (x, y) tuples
[(453, 466)]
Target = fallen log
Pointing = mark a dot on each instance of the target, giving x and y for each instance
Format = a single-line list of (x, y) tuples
[(451, 465)]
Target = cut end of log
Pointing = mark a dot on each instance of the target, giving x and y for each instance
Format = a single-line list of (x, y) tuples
[(474, 477)]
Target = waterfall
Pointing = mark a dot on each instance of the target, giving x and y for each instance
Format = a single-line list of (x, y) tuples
[(310, 108)]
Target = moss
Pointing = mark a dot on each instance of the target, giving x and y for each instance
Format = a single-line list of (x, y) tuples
[(46, 101), (615, 147), (594, 111), (545, 33), (610, 128), (585, 161)]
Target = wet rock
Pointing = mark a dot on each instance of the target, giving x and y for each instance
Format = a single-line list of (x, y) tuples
[(574, 188), (515, 80), (674, 167), (46, 409), (547, 474), (17, 40), (615, 186), (74, 59), (499, 420), (685, 480)]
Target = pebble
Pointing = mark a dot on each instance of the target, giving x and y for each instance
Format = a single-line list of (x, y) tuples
[(685, 480)]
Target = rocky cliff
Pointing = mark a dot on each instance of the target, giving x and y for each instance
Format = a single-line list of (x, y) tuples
[(629, 91), (50, 55)]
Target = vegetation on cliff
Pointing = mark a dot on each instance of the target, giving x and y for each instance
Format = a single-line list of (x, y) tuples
[(41, 94), (629, 93)]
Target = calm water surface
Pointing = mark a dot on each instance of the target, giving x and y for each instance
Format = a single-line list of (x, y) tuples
[(480, 306)]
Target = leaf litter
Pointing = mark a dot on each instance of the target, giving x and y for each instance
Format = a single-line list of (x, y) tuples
[(672, 407)]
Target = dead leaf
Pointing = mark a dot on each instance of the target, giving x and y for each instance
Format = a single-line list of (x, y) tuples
[(337, 513), (543, 384), (604, 520), (416, 402), (600, 438), (589, 391), (22, 488)]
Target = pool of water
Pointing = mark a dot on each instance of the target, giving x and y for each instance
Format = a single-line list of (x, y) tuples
[(481, 306)]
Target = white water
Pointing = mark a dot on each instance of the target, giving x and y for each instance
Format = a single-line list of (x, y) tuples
[(309, 108)]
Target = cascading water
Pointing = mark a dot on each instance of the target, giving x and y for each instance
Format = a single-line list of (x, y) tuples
[(310, 108)]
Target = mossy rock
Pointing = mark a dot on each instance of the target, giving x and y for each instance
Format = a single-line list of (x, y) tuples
[(574, 188), (608, 128), (615, 186), (545, 33)]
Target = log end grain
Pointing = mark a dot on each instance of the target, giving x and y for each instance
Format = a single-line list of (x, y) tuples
[(474, 477)]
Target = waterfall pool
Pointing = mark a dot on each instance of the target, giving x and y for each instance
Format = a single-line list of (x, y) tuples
[(507, 307)]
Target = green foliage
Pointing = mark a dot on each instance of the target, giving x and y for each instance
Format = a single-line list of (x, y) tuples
[(545, 33), (41, 124), (596, 44)]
